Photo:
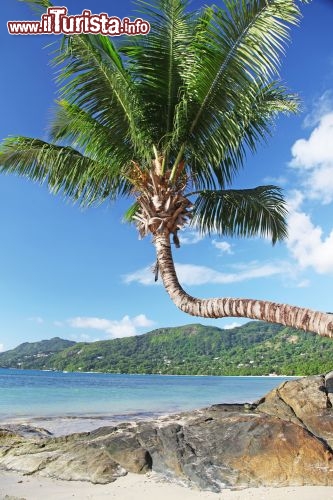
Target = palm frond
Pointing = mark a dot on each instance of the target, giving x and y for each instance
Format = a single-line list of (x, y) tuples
[(131, 212), (246, 40), (235, 47), (238, 131), (260, 211), (157, 61), (93, 77), (63, 169), (77, 128)]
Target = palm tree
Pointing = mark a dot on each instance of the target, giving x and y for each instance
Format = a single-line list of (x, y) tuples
[(166, 120)]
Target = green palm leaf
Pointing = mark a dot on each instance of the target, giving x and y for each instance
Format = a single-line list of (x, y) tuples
[(234, 49), (260, 211), (157, 62), (131, 212), (245, 40), (93, 77), (239, 131), (79, 129), (63, 169)]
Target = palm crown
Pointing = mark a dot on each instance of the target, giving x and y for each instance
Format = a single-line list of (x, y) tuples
[(167, 119)]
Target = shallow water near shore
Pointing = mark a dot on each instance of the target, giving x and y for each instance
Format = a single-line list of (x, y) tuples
[(69, 402)]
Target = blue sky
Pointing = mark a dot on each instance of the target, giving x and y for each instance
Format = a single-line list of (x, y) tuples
[(84, 275)]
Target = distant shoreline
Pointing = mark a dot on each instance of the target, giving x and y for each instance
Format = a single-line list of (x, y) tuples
[(150, 374)]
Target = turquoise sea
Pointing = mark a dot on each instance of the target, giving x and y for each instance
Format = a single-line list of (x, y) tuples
[(80, 401)]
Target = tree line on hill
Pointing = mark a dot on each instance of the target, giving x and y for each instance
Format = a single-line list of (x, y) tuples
[(256, 348)]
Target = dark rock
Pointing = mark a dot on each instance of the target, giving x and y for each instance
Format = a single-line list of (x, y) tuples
[(305, 402), (329, 386), (284, 439), (24, 431), (127, 451), (69, 459)]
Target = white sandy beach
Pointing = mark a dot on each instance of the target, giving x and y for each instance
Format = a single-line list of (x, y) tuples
[(14, 486)]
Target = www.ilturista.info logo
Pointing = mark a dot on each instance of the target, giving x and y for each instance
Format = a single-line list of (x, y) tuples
[(56, 21)]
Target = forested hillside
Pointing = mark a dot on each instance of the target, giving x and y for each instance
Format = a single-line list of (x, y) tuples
[(255, 348), (33, 352)]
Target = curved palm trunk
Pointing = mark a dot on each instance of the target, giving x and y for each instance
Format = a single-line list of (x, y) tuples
[(296, 317)]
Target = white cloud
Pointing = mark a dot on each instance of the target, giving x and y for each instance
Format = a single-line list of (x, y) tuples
[(83, 337), (222, 246), (313, 157), (189, 237), (86, 322), (303, 284), (277, 181), (143, 276), (313, 160), (189, 274), (321, 106), (58, 323), (2, 347), (125, 327), (295, 200), (307, 243), (229, 326), (197, 275), (36, 319)]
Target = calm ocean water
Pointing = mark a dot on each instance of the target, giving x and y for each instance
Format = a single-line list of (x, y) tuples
[(32, 393)]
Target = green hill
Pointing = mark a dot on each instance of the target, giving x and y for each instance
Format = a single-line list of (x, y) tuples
[(255, 348), (33, 354)]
